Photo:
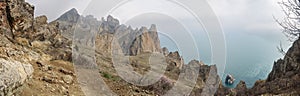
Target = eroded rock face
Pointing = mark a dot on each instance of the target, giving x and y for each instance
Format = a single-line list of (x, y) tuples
[(13, 74), (20, 15)]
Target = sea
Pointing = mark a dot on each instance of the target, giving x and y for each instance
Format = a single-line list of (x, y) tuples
[(249, 57)]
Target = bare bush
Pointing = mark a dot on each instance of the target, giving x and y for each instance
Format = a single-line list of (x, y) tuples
[(291, 21)]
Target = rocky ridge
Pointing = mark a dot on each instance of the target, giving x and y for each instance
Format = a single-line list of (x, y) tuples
[(88, 29)]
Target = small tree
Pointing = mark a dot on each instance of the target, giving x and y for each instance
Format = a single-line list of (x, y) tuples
[(291, 21)]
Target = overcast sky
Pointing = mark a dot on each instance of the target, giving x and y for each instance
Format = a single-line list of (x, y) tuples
[(251, 32), (251, 15)]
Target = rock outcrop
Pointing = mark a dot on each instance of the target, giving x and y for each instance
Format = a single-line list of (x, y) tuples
[(20, 16), (16, 25), (13, 74)]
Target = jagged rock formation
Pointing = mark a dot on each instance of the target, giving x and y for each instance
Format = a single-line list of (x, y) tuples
[(131, 41)]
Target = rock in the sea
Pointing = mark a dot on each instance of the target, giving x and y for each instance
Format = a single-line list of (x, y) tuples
[(229, 79), (13, 74)]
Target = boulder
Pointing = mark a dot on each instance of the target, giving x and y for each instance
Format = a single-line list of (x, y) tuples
[(13, 74)]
